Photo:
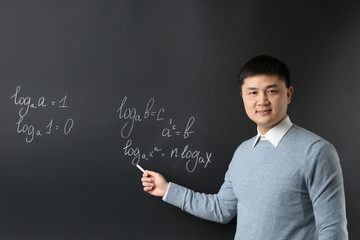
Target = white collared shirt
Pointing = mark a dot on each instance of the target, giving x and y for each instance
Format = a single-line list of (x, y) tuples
[(275, 134)]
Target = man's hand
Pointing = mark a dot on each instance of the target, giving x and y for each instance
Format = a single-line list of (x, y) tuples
[(154, 183)]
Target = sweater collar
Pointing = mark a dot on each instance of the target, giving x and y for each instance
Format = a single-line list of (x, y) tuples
[(275, 134)]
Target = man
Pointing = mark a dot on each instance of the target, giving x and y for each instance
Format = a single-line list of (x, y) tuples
[(285, 183)]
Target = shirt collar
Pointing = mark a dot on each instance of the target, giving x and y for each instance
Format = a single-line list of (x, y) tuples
[(275, 134)]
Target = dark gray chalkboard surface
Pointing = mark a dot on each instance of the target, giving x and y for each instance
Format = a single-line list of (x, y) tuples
[(90, 88)]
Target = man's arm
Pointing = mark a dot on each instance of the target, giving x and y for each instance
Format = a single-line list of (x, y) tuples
[(219, 207), (326, 190)]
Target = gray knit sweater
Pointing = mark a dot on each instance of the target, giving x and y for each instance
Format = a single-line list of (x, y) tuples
[(294, 191)]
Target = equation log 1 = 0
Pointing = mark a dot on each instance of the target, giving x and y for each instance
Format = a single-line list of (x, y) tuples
[(67, 127)]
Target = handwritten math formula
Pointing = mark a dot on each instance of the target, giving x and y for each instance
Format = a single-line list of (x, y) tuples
[(27, 104), (132, 117)]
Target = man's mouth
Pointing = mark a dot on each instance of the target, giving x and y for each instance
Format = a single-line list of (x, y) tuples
[(263, 112)]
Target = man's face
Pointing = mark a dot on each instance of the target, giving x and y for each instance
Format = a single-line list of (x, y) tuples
[(266, 98)]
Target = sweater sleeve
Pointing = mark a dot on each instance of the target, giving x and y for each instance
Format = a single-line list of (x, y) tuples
[(326, 191), (220, 207)]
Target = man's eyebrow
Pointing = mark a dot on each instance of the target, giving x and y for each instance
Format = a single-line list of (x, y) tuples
[(272, 85), (251, 88), (268, 86)]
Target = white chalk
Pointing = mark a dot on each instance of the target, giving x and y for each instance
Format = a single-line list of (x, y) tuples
[(141, 169)]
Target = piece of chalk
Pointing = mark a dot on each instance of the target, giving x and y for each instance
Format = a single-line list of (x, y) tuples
[(141, 169)]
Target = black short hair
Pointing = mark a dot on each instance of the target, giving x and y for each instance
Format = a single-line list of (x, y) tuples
[(265, 65)]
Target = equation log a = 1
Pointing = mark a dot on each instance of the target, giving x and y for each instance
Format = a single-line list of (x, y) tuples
[(27, 103)]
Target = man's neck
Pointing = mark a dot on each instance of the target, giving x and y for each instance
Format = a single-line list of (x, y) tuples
[(264, 130)]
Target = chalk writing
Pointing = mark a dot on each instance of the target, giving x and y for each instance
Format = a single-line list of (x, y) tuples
[(172, 130), (193, 157), (136, 153), (28, 104), (132, 116)]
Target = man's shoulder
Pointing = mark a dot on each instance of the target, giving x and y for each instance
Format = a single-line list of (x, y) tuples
[(302, 133), (299, 136)]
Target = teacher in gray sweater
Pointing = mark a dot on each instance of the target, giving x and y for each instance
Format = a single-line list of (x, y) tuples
[(285, 183)]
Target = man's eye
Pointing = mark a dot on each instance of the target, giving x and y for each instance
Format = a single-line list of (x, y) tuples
[(272, 91), (252, 93)]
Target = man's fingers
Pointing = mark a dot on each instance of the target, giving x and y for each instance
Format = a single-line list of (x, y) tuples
[(148, 189), (146, 179), (147, 184)]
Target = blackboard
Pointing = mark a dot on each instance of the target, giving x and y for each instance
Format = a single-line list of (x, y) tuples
[(89, 88)]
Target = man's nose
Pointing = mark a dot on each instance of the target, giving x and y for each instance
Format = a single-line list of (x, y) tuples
[(263, 99)]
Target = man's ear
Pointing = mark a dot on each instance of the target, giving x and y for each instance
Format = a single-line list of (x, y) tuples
[(289, 93)]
